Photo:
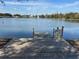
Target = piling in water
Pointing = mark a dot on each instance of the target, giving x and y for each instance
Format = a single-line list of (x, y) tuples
[(33, 32)]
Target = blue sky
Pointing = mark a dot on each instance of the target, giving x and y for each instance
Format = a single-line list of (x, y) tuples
[(39, 6)]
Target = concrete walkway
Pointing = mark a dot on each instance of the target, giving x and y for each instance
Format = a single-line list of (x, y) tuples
[(38, 48)]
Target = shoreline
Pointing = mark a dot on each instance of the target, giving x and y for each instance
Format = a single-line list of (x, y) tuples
[(70, 20)]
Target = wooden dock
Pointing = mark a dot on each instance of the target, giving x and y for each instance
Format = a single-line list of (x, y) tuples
[(41, 46)]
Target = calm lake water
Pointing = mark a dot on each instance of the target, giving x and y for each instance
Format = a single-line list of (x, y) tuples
[(22, 27)]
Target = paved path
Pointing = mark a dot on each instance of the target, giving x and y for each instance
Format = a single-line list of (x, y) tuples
[(39, 48)]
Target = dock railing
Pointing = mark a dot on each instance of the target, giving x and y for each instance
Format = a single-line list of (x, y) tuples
[(58, 33)]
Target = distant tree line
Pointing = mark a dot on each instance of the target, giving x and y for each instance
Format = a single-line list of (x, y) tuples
[(5, 15), (70, 15), (60, 15), (8, 15)]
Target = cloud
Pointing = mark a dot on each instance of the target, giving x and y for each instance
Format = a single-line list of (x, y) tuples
[(37, 7), (67, 5), (25, 3), (43, 4), (76, 3)]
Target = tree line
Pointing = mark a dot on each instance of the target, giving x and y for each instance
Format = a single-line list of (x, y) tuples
[(70, 15), (60, 15)]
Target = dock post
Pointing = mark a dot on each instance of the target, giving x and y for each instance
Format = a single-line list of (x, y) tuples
[(62, 31), (33, 33), (57, 29), (53, 33)]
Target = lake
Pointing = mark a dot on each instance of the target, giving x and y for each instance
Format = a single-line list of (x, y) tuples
[(22, 27)]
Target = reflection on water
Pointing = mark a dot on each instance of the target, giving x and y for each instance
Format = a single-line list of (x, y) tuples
[(22, 27)]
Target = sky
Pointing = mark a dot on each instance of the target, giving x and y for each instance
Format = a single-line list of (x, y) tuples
[(39, 6)]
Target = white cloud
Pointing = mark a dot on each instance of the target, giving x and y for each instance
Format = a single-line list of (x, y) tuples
[(46, 5), (25, 3), (70, 4)]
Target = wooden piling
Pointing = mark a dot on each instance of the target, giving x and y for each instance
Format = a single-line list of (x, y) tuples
[(33, 33), (62, 31), (53, 32)]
